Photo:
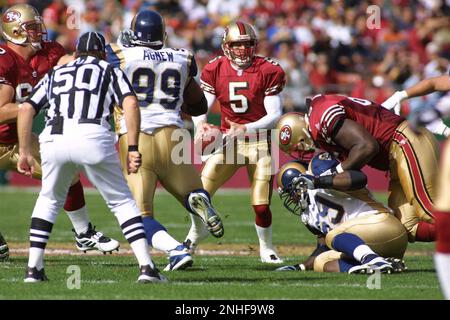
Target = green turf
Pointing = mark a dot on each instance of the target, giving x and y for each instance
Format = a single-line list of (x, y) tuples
[(211, 277)]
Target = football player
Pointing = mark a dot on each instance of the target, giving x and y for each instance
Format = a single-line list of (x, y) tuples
[(362, 132), (356, 234), (163, 79), (441, 211), (248, 89), (24, 60)]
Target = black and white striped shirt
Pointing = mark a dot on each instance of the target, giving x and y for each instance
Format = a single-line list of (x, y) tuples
[(86, 89)]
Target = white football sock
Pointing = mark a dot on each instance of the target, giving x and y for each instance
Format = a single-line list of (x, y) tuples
[(265, 237), (442, 262), (362, 251), (161, 240), (198, 231), (36, 258), (141, 251), (79, 219)]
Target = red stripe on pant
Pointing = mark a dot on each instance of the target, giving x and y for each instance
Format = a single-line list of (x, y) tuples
[(414, 167)]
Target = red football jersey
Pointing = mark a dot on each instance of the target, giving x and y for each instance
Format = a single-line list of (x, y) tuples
[(15, 72), (241, 92), (327, 110)]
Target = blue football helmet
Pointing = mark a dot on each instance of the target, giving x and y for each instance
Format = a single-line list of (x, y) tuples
[(323, 164), (149, 29), (295, 198)]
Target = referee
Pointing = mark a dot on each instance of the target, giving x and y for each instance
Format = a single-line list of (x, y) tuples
[(78, 137)]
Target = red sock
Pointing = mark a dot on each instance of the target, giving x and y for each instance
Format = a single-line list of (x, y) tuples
[(426, 232), (263, 216), (75, 198), (442, 231)]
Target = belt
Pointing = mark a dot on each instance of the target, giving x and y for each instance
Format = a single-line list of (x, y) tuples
[(80, 121)]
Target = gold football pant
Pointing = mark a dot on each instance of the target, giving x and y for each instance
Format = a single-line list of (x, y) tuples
[(157, 165), (443, 181), (9, 156), (413, 171), (382, 232), (255, 156)]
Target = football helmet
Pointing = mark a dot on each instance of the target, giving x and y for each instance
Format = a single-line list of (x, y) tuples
[(294, 196), (22, 25), (239, 44), (323, 164), (148, 29), (294, 134)]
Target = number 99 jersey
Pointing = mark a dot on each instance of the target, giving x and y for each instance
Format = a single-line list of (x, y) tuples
[(158, 77), (241, 93)]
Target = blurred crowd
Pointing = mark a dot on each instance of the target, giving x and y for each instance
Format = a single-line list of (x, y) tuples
[(324, 46)]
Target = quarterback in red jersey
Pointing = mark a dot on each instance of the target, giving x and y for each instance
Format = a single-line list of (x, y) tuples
[(24, 60), (362, 132), (247, 87)]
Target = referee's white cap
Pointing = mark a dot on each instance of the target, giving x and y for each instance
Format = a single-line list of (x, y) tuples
[(91, 41)]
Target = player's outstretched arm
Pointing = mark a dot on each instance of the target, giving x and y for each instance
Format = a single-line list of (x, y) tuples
[(8, 109), (25, 116)]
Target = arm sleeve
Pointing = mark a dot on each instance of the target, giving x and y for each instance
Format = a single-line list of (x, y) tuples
[(121, 87), (207, 80), (7, 74), (38, 97), (274, 109), (210, 98)]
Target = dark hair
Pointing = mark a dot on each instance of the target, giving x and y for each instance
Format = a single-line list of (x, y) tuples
[(97, 54)]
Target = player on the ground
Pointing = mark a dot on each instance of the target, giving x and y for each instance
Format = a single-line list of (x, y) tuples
[(4, 249), (441, 211), (355, 233), (163, 79), (362, 132), (248, 89), (24, 60)]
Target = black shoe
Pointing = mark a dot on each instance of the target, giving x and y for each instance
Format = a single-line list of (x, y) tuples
[(4, 250), (150, 275), (94, 240), (34, 275)]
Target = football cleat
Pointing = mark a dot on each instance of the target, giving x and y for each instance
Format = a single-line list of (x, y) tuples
[(377, 264), (34, 275), (4, 250), (94, 240), (179, 259), (397, 264), (149, 274), (269, 256), (289, 268), (202, 207)]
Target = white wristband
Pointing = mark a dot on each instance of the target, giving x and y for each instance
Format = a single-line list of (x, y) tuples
[(302, 267), (339, 168), (403, 95)]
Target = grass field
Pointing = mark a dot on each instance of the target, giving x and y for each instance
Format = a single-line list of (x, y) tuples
[(226, 268)]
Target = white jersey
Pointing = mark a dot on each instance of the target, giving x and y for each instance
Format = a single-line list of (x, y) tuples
[(158, 77), (330, 208)]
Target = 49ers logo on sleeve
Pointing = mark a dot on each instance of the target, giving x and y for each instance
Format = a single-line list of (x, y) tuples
[(285, 135), (11, 16)]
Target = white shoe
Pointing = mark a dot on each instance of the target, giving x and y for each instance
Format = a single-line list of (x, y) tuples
[(269, 256), (210, 217), (94, 240)]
